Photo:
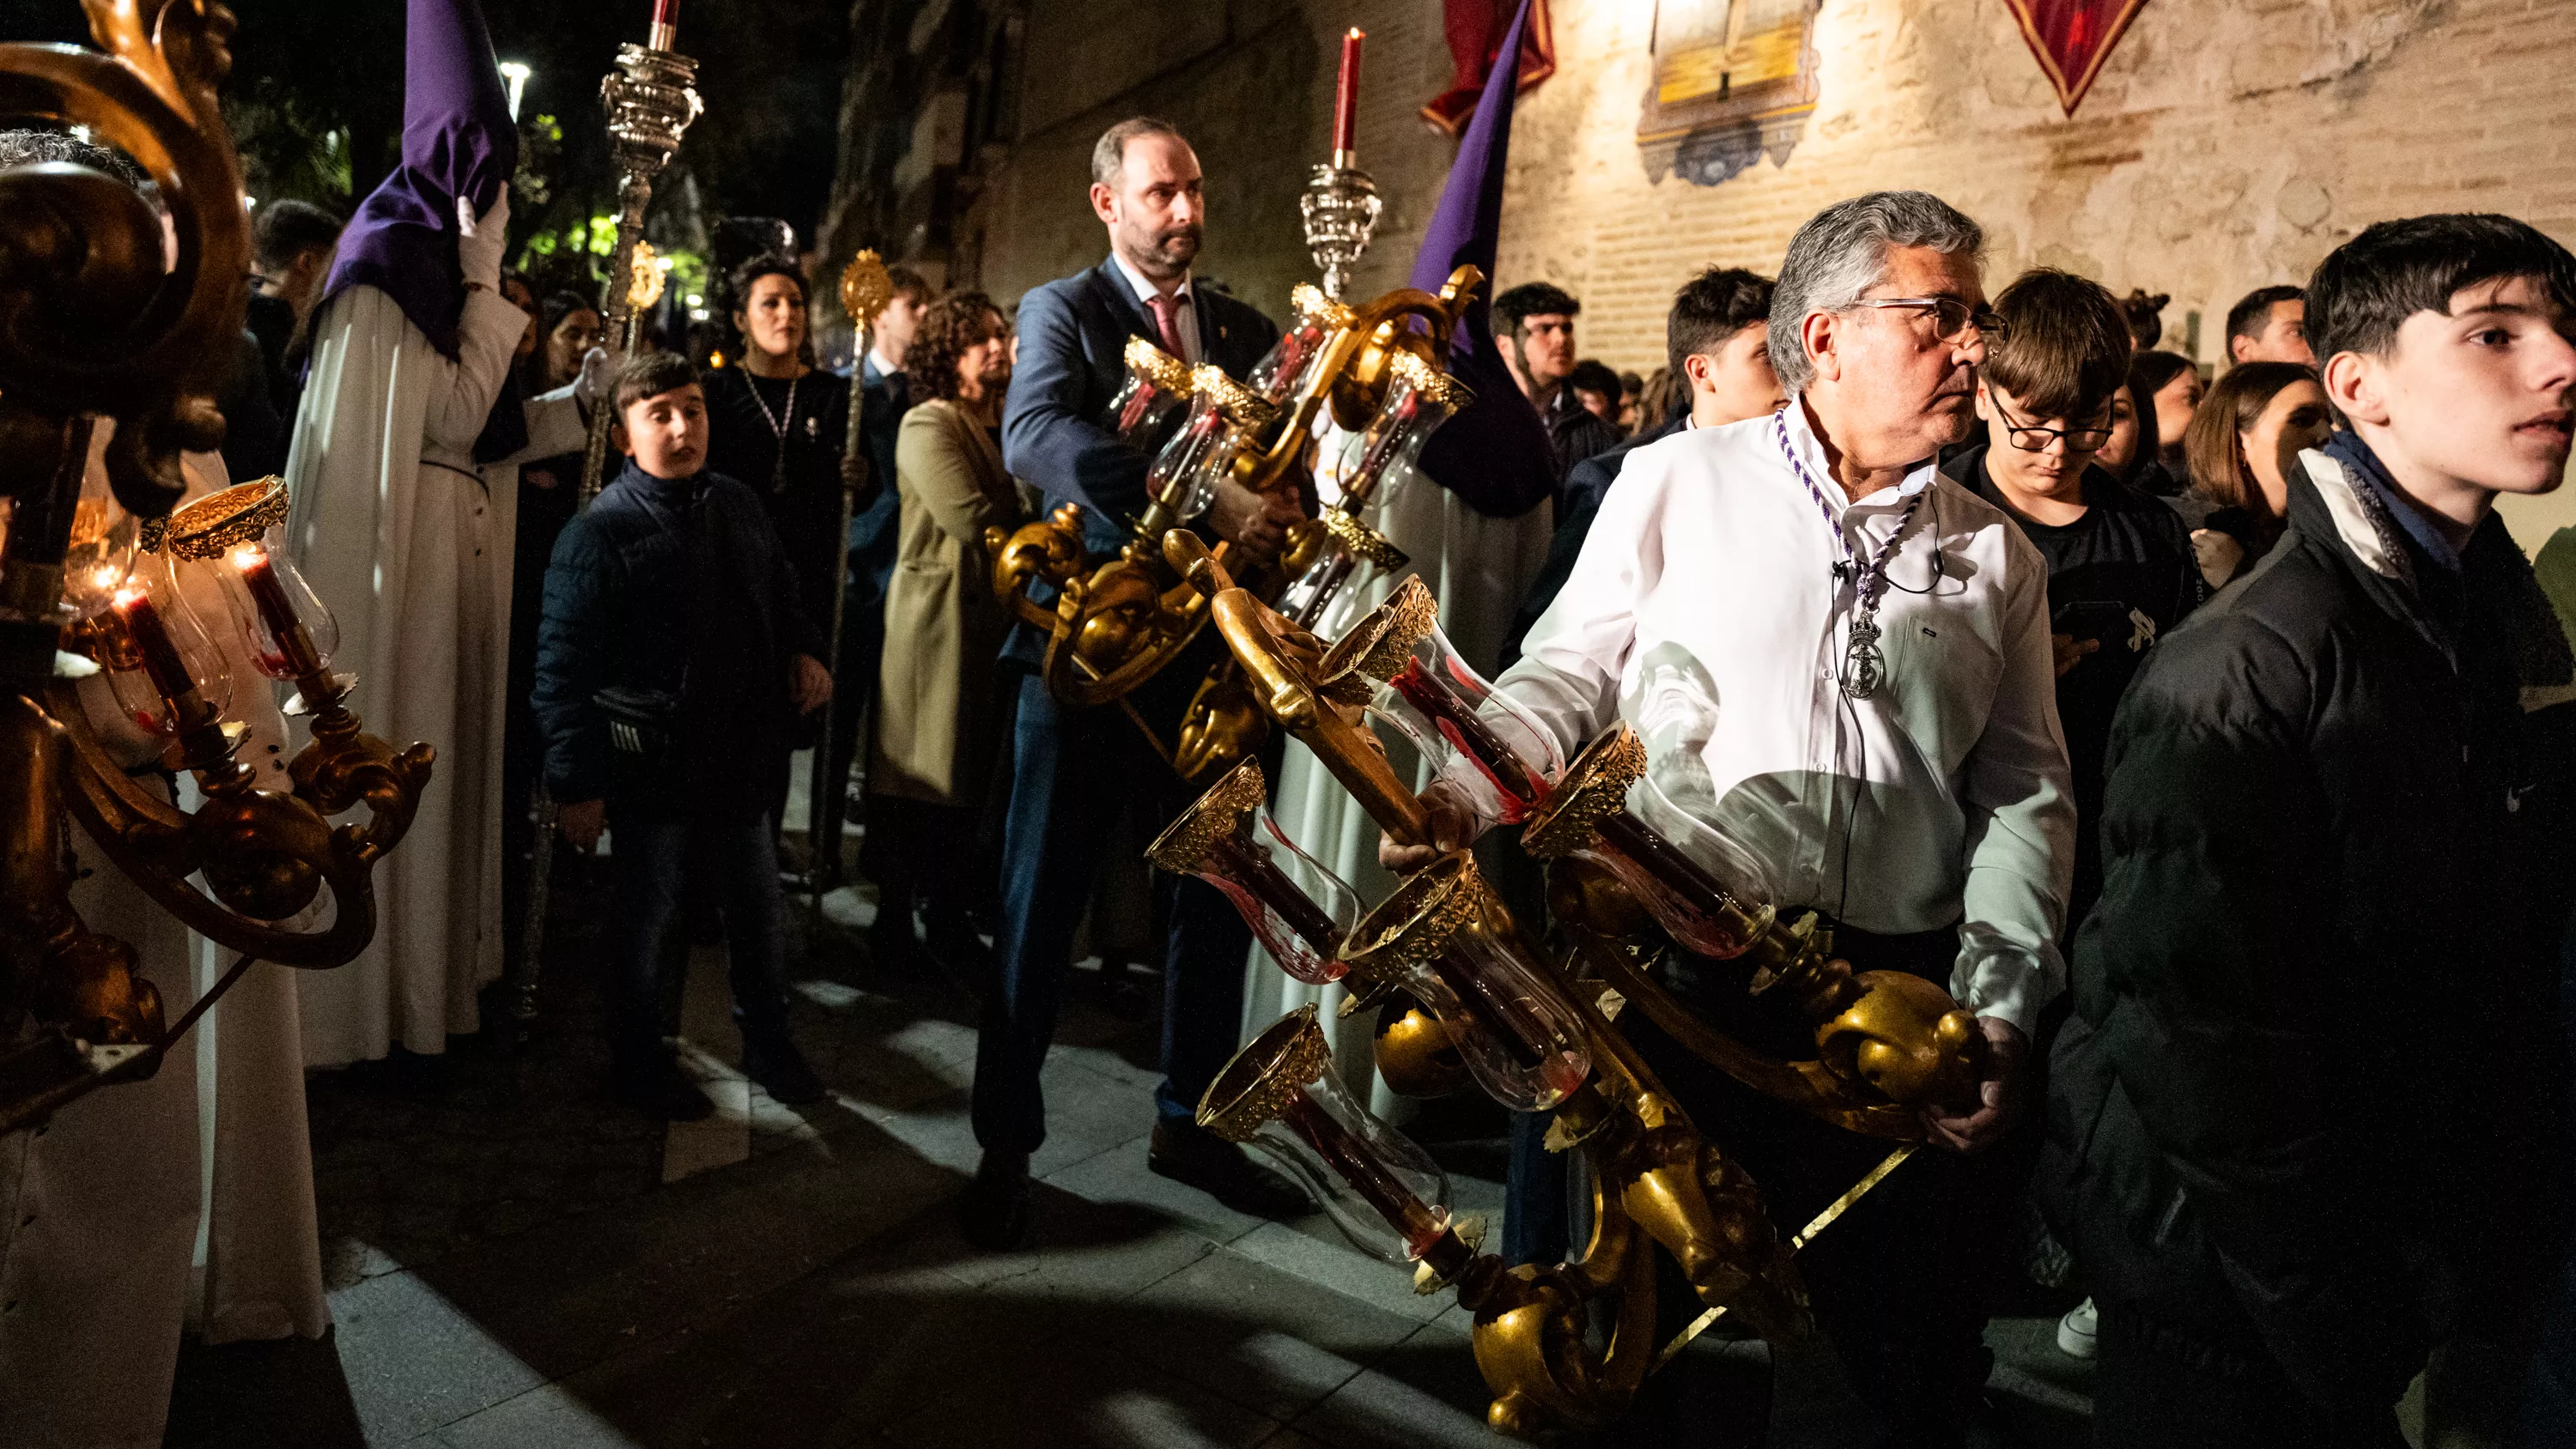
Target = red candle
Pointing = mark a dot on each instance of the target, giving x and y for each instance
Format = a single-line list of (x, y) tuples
[(1414, 1220), (161, 659), (295, 649), (1346, 101), (666, 24)]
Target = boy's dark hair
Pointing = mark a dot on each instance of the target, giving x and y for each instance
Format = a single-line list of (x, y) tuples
[(2366, 289), (1594, 375), (2253, 312), (2065, 347), (1712, 307), (767, 264), (1532, 299), (951, 325), (289, 228), (908, 283), (651, 375)]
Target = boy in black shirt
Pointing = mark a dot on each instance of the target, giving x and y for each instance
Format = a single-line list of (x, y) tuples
[(2119, 564)]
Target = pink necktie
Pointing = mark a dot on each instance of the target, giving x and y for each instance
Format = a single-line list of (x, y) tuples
[(1167, 319)]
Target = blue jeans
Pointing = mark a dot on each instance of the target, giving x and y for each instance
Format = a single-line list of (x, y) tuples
[(1073, 770), (655, 858)]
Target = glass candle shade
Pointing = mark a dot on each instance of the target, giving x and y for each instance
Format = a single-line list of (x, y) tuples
[(1446, 939), (98, 548), (1419, 398), (1280, 375), (1157, 388), (1280, 1098), (1223, 417), (163, 670), (239, 536), (102, 552), (1349, 546), (1489, 749), (1300, 911), (1706, 891)]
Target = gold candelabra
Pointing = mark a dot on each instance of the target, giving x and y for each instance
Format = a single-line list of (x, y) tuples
[(1463, 984), (1377, 370), (114, 586)]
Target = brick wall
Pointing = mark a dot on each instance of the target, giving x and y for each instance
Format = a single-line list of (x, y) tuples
[(2227, 144)]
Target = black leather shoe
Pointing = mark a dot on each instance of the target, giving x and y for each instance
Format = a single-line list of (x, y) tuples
[(782, 1072), (995, 1209), (1220, 1169)]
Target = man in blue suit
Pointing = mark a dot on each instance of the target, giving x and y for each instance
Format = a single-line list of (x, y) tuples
[(1075, 769)]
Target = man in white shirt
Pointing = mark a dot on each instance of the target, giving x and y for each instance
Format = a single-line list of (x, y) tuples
[(1844, 661)]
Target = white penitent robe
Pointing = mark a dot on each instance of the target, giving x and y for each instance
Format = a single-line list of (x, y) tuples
[(410, 545), (1479, 568), (100, 1209)]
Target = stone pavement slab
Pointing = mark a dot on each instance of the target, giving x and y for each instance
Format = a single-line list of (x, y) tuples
[(510, 1269)]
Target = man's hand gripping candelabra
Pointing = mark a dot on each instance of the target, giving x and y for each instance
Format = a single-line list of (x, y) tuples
[(92, 324), (651, 100), (1537, 1038), (1377, 368)]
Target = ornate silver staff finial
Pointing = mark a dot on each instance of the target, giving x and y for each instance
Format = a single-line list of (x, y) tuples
[(651, 99), (1340, 207)]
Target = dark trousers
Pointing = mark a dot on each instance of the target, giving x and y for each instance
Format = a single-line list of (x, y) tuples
[(854, 699), (1898, 1282), (1073, 771), (656, 857), (2153, 1389)]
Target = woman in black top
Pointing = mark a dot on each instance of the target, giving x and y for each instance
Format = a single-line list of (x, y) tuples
[(776, 423)]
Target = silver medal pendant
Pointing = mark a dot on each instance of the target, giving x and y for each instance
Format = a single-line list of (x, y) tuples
[(1864, 668)]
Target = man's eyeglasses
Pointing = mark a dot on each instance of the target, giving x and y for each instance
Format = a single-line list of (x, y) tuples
[(2032, 439), (1950, 316)]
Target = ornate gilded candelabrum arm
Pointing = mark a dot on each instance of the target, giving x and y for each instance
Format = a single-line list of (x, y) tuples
[(651, 98), (93, 323), (1887, 1042)]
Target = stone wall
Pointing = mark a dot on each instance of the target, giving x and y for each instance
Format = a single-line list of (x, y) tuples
[(2227, 143)]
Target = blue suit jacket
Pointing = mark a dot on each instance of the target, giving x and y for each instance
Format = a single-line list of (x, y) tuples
[(1073, 341)]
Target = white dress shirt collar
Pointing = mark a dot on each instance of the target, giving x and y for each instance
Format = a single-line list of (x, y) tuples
[(1185, 318), (1145, 289), (1810, 450)]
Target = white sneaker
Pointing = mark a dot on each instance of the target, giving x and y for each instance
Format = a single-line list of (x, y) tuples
[(2077, 1330)]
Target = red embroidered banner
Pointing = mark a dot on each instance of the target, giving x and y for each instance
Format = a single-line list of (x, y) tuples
[(2072, 38), (1475, 29)]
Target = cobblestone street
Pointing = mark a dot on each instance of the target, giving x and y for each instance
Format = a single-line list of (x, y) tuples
[(515, 1260)]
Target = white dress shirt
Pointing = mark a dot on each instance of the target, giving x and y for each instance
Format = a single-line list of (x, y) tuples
[(1705, 611), (1186, 312)]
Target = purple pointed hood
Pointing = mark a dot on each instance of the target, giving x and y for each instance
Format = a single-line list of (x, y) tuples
[(458, 139), (1495, 455)]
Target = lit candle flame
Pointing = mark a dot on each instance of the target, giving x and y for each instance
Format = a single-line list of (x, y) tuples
[(249, 556)]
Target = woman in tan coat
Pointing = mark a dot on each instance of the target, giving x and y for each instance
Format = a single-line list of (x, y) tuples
[(936, 706)]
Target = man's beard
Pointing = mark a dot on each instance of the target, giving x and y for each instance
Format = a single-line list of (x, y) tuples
[(1175, 249)]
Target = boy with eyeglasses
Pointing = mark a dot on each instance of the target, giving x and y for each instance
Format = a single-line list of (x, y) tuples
[(2119, 563)]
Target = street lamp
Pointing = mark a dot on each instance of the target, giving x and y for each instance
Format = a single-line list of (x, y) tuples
[(515, 74)]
